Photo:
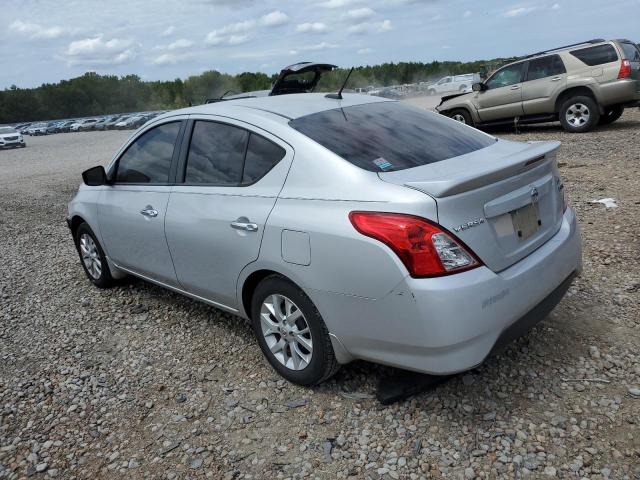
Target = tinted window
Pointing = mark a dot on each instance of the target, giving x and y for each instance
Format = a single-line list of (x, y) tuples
[(148, 159), (596, 55), (262, 155), (389, 136), (216, 154), (545, 67), (509, 75), (630, 51)]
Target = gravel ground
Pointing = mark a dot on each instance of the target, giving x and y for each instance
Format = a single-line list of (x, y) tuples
[(138, 382)]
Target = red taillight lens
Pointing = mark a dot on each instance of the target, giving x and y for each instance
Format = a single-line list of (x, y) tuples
[(625, 69), (425, 248)]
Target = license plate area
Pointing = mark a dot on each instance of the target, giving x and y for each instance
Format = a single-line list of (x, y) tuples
[(526, 221)]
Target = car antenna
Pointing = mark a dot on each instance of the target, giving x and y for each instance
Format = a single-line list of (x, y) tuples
[(338, 96)]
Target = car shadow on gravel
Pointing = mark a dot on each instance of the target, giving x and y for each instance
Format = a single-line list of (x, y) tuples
[(620, 125)]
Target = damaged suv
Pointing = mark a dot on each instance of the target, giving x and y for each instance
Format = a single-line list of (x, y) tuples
[(581, 85)]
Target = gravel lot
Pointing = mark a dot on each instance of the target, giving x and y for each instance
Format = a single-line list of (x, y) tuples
[(138, 382)]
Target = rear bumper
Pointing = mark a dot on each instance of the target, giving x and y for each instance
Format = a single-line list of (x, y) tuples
[(450, 324), (620, 91)]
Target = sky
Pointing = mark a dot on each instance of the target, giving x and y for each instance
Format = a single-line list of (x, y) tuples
[(45, 41)]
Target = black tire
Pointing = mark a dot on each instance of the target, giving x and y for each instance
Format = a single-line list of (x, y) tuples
[(323, 363), (578, 107), (611, 114), (462, 116), (104, 280), (462, 88)]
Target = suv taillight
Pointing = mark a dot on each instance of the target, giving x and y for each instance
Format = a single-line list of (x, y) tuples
[(425, 248), (625, 69)]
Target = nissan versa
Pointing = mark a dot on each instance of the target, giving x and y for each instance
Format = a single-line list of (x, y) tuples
[(342, 227)]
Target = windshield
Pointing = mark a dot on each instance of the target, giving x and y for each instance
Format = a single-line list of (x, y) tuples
[(388, 136), (7, 130)]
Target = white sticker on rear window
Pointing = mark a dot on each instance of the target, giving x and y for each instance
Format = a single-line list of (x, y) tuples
[(382, 164)]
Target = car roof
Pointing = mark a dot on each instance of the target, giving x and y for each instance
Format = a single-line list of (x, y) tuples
[(287, 107)]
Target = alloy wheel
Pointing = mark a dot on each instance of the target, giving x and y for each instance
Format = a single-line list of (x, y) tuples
[(577, 115), (459, 118), (90, 256), (286, 332)]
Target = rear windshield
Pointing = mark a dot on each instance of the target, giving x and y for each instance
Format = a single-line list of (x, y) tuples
[(630, 51), (389, 136), (598, 55)]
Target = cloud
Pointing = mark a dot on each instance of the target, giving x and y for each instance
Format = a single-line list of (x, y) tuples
[(168, 59), (168, 31), (232, 34), (37, 32), (311, 27), (335, 3), (516, 12), (364, 51), (555, 6), (98, 51), (467, 14), (180, 43), (358, 14), (437, 17), (370, 27), (274, 19), (313, 47)]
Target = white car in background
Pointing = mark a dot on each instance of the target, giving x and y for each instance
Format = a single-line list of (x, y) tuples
[(454, 83), (10, 138), (83, 125), (37, 129)]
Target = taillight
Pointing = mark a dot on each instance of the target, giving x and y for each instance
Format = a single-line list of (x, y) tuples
[(425, 248), (625, 69)]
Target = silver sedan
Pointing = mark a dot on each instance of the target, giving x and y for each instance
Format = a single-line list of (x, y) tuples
[(354, 228)]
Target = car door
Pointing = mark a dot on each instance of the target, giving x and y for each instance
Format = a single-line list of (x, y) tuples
[(231, 175), (132, 209), (502, 98), (545, 78)]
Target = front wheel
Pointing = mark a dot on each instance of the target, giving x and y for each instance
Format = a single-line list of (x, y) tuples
[(579, 114), (611, 114), (461, 116), (291, 332), (92, 257)]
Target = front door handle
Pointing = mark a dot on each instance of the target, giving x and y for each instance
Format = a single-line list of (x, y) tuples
[(243, 223), (149, 211), (515, 87), (555, 79)]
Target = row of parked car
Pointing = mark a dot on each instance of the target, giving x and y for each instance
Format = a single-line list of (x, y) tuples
[(108, 122)]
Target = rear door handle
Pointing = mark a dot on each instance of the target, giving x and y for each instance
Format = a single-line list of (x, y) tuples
[(515, 87), (149, 211), (555, 79), (244, 224)]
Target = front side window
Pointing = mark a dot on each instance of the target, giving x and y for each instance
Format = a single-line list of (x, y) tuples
[(509, 75), (545, 67), (389, 136), (148, 158), (216, 154), (598, 55)]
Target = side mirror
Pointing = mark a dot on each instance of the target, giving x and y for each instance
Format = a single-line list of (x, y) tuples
[(478, 87), (95, 176)]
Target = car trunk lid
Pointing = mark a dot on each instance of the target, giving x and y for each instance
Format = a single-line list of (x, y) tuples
[(502, 201), (300, 78)]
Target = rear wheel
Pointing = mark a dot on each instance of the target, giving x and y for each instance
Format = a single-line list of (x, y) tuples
[(291, 332), (579, 114), (92, 257), (462, 116), (611, 114)]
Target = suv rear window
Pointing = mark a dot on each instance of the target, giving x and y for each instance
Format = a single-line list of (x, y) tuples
[(630, 51), (388, 136), (598, 55)]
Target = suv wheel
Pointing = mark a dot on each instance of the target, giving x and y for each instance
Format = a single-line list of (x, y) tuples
[(611, 114), (291, 332), (579, 114), (462, 116), (92, 258)]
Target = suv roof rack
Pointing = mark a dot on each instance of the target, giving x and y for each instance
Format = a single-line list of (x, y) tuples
[(587, 42)]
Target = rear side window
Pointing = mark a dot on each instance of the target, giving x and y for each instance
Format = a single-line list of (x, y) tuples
[(545, 67), (598, 55), (216, 154), (388, 136), (630, 51), (262, 155), (148, 158)]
